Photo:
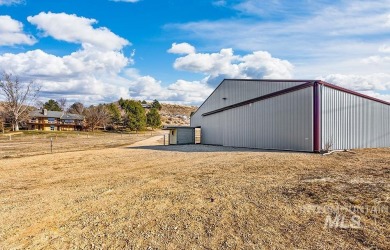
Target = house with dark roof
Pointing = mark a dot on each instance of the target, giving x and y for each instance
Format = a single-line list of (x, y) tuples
[(43, 119)]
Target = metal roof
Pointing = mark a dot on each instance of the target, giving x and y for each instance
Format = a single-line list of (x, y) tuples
[(56, 114), (176, 127), (311, 82)]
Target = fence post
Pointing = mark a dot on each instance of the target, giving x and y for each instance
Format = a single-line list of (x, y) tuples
[(51, 144)]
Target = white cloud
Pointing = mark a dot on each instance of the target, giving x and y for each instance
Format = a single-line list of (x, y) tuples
[(182, 48), (79, 63), (10, 2), (384, 48), (194, 92), (373, 82), (376, 60), (71, 28), (385, 97), (259, 64), (11, 32), (316, 38), (220, 3), (90, 74), (148, 88)]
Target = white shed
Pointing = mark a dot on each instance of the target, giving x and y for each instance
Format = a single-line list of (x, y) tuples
[(181, 135)]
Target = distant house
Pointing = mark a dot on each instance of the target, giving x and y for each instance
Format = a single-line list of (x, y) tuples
[(54, 121), (146, 106)]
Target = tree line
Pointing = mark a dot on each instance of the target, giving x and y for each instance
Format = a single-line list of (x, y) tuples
[(21, 98)]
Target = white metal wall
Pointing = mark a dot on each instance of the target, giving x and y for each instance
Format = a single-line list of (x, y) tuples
[(350, 121), (284, 122)]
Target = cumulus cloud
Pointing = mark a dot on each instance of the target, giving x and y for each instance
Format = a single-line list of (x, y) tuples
[(376, 60), (85, 72), (181, 48), (181, 91), (259, 64), (71, 28), (11, 32), (385, 97), (384, 48), (91, 74), (373, 82), (10, 2), (77, 64), (98, 71)]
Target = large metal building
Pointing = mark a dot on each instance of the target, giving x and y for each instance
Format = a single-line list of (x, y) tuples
[(298, 115)]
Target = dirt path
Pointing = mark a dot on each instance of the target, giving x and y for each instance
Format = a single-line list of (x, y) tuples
[(153, 141)]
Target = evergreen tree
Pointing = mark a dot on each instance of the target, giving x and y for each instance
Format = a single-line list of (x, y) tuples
[(115, 113), (153, 119), (121, 103), (52, 105), (135, 118), (156, 105)]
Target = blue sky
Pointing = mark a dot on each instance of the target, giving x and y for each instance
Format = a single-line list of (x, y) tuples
[(178, 51)]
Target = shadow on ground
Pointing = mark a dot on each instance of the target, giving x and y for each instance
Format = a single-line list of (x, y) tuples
[(204, 148)]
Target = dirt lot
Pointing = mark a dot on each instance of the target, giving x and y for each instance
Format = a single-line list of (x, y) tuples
[(195, 197)]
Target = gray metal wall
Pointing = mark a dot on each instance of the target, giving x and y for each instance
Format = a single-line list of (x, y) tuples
[(350, 121), (185, 136), (236, 91), (284, 122)]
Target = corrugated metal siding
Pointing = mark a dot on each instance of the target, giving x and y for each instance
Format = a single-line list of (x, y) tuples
[(212, 132), (350, 121), (185, 136), (236, 91), (284, 122)]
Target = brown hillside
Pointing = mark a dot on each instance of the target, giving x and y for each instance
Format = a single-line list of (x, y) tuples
[(173, 114)]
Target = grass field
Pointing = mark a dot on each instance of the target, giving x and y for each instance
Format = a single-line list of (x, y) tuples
[(27, 143), (195, 197)]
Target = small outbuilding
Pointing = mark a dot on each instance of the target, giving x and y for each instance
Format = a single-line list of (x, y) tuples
[(181, 135)]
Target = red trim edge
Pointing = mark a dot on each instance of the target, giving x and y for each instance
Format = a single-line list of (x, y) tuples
[(316, 118), (352, 92)]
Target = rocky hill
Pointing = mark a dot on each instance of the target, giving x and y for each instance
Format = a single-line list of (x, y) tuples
[(173, 114)]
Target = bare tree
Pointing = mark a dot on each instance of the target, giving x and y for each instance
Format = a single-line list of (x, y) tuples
[(97, 116), (19, 97), (38, 104), (62, 102), (2, 120), (76, 108)]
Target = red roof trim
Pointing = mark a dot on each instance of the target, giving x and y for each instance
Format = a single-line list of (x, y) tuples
[(352, 92)]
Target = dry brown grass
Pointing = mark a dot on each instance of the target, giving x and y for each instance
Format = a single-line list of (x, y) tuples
[(37, 143), (192, 197)]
